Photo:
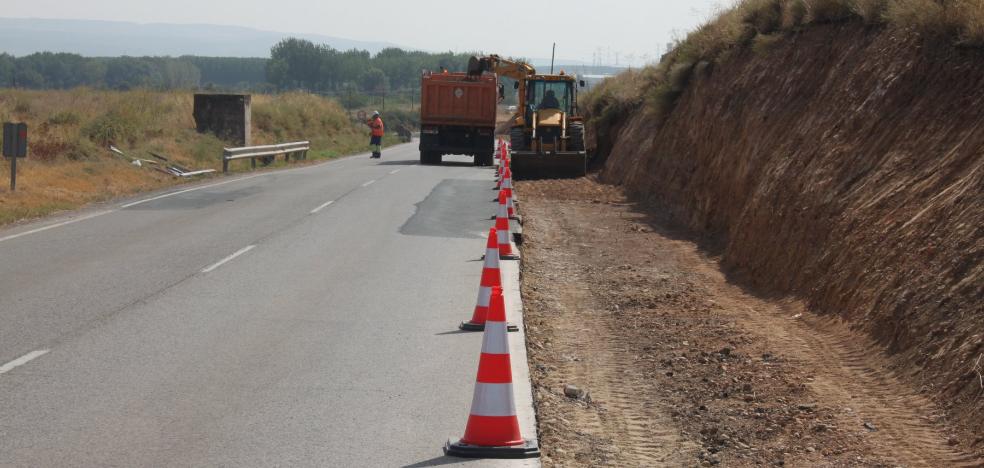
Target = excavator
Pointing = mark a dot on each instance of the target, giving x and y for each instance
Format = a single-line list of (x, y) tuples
[(547, 132)]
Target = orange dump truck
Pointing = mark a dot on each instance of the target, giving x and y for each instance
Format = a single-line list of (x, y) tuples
[(457, 116)]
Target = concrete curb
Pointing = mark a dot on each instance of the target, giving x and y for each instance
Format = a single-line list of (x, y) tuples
[(517, 350)]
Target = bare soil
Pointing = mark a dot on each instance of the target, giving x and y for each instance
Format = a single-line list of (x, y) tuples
[(682, 367), (843, 166)]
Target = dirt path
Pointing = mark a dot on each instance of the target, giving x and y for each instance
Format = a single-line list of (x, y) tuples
[(682, 367)]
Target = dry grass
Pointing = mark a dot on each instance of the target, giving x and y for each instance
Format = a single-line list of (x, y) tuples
[(69, 164), (763, 24)]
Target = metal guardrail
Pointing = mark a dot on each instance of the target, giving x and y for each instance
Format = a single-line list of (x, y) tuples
[(297, 148)]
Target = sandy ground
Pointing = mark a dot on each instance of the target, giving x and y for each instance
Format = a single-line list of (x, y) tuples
[(680, 367)]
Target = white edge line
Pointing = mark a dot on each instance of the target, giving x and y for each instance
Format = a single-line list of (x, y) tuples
[(23, 360), (228, 259), (369, 183), (325, 205), (179, 192), (52, 226), (171, 194)]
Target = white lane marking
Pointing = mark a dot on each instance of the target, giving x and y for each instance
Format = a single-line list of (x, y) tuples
[(52, 226), (171, 194), (394, 171), (228, 259), (325, 205), (369, 183), (22, 360)]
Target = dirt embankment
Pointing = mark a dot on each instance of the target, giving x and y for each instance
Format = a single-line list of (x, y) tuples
[(843, 166)]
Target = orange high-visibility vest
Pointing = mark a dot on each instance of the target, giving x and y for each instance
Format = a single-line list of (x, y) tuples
[(377, 127)]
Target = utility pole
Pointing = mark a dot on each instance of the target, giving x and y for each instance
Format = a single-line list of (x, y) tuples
[(553, 54)]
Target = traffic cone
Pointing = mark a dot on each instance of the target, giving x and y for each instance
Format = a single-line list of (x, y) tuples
[(503, 164), (507, 187), (493, 428), (491, 278), (502, 230)]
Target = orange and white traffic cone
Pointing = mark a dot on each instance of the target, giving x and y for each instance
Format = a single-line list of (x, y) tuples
[(502, 230), (491, 278), (507, 187), (493, 428), (503, 165)]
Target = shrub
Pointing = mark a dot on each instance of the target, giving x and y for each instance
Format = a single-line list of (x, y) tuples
[(970, 14), (793, 14), (679, 76), (65, 118), (927, 17), (111, 128), (763, 15), (827, 11), (871, 11)]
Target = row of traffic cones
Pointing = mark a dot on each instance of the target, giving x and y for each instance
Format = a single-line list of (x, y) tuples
[(493, 430)]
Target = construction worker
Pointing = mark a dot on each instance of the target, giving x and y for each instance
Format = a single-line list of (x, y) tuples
[(376, 140)]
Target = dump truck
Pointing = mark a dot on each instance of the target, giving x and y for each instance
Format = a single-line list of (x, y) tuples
[(547, 131), (457, 116)]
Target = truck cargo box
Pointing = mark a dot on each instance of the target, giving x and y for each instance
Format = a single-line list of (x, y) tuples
[(458, 99), (457, 116)]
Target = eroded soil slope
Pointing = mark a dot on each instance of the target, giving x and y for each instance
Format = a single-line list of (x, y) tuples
[(843, 165), (683, 368)]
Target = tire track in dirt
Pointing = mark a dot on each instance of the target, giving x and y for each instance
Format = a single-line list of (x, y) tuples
[(635, 314), (627, 433)]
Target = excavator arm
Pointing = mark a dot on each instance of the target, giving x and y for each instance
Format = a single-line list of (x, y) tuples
[(519, 71)]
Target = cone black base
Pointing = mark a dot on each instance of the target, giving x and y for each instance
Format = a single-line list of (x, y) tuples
[(477, 327), (529, 449), (509, 257)]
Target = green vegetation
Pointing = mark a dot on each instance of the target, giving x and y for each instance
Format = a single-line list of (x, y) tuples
[(761, 24), (355, 77)]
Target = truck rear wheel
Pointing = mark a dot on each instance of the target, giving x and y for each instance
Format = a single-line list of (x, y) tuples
[(484, 159), (429, 158)]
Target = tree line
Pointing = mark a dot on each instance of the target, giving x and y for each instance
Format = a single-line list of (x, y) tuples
[(293, 64)]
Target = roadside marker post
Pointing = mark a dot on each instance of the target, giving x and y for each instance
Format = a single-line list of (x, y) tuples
[(14, 147)]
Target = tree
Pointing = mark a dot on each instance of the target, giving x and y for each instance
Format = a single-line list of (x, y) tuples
[(374, 80)]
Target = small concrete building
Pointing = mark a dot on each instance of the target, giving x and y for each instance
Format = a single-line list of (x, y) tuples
[(227, 116)]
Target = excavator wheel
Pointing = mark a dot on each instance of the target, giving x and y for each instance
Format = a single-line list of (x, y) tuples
[(576, 132)]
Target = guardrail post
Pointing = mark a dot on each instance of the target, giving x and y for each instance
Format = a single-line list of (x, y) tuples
[(252, 162)]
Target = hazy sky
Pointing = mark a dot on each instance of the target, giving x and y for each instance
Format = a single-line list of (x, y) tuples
[(510, 27)]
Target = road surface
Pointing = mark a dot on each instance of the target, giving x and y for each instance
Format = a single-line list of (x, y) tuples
[(304, 317)]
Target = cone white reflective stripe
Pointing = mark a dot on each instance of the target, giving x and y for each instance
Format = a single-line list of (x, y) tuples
[(493, 399), (495, 340), (503, 238), (484, 295), (492, 257)]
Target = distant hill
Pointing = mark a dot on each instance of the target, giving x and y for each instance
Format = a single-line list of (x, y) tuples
[(23, 36)]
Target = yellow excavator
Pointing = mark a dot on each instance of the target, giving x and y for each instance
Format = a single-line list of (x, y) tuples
[(547, 132)]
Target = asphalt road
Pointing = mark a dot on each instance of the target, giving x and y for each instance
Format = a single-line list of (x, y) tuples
[(304, 317)]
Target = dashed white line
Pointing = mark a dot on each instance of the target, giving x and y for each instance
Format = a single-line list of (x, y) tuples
[(228, 259), (369, 183), (394, 171), (323, 206), (22, 360)]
